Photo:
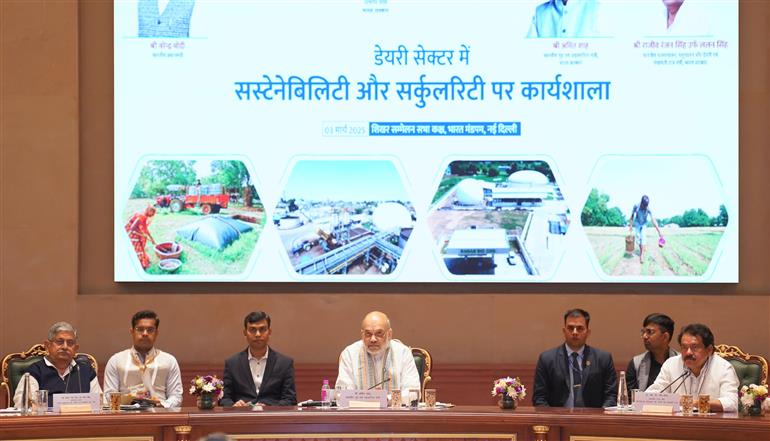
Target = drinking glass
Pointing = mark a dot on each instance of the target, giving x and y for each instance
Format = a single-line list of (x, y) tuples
[(414, 398), (686, 402), (395, 398), (337, 393), (703, 404), (40, 404), (430, 398), (114, 398)]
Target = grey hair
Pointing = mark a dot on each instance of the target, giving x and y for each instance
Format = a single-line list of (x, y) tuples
[(218, 436), (61, 327)]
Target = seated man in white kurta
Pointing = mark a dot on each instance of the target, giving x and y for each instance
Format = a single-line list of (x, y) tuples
[(144, 371), (698, 370), (377, 361)]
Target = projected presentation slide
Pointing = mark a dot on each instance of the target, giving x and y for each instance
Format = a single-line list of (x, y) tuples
[(519, 141)]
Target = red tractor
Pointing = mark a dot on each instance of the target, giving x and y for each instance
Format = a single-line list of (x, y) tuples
[(209, 198)]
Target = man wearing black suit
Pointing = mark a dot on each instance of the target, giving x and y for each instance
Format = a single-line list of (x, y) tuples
[(258, 374), (575, 374)]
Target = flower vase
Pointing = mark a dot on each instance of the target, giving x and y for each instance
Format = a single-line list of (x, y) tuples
[(205, 401), (506, 402), (753, 410)]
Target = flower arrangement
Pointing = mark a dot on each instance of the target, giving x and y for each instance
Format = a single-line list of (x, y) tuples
[(207, 384), (511, 387), (754, 396)]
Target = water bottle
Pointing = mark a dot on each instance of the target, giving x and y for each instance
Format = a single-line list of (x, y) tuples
[(622, 392), (25, 395), (326, 395)]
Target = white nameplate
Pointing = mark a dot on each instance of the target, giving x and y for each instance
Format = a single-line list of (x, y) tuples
[(363, 399), (71, 400), (656, 402), (75, 408)]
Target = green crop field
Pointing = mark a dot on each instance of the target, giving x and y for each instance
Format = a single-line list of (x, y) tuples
[(687, 252)]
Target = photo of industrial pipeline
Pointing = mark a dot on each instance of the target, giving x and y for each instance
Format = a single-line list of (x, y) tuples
[(344, 217)]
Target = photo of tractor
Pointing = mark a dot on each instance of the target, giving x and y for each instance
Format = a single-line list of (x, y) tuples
[(209, 198)]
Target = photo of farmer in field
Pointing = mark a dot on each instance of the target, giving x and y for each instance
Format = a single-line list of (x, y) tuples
[(138, 231), (641, 215), (193, 217), (673, 229)]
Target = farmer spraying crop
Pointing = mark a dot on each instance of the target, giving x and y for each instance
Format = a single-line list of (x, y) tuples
[(640, 215)]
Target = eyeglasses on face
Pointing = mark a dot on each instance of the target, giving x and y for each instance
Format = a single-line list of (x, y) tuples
[(63, 341), (693, 348), (379, 335)]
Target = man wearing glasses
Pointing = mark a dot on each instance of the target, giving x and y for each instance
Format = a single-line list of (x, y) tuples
[(377, 361), (575, 374), (59, 371), (143, 370), (698, 371), (258, 374), (643, 369)]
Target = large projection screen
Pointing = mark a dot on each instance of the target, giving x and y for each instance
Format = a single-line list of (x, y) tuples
[(426, 141)]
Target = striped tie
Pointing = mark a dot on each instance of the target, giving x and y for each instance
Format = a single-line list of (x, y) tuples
[(577, 382)]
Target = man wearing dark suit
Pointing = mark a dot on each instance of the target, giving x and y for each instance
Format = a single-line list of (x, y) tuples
[(575, 374), (258, 374)]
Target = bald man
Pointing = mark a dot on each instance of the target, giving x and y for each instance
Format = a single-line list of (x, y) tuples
[(377, 361)]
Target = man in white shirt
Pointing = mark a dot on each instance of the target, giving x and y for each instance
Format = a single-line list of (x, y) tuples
[(59, 371), (697, 371), (143, 370), (377, 361)]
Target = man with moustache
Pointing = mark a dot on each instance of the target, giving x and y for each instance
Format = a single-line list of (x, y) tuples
[(697, 370), (643, 369), (143, 370), (259, 374), (377, 361), (59, 371), (575, 374)]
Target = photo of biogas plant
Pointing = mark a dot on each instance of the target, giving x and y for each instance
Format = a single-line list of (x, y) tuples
[(502, 218), (344, 217), (193, 217)]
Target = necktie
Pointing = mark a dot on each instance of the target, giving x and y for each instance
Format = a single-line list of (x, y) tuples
[(577, 381)]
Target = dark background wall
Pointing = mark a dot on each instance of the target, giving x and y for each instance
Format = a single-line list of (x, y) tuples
[(56, 234)]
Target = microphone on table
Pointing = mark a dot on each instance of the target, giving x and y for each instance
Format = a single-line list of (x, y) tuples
[(682, 377), (380, 383), (77, 372)]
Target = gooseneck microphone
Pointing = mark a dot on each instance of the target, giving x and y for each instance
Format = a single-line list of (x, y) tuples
[(682, 377), (380, 383), (77, 372)]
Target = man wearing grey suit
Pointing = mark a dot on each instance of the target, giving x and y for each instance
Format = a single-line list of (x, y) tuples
[(575, 374), (258, 374)]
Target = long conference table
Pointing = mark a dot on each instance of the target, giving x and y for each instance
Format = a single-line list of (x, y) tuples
[(462, 423)]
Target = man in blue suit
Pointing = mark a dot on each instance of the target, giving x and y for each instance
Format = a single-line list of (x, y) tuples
[(575, 374), (258, 374)]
